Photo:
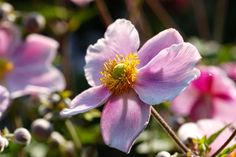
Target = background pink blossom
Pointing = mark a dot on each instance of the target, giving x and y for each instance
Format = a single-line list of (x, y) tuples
[(32, 62), (212, 95)]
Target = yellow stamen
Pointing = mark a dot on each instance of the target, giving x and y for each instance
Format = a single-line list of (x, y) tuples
[(5, 67), (119, 74)]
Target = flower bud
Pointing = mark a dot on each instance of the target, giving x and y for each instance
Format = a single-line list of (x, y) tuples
[(5, 10), (3, 143), (70, 149), (163, 154), (34, 22), (41, 129), (22, 136), (56, 139)]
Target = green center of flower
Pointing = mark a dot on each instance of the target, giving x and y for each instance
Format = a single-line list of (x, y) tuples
[(119, 74), (118, 70), (5, 67)]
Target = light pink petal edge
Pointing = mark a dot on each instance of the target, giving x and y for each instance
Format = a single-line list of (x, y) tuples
[(87, 100), (157, 43)]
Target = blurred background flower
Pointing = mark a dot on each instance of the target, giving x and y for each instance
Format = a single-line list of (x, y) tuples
[(25, 64), (212, 95)]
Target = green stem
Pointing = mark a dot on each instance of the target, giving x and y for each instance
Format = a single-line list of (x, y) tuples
[(168, 129), (72, 131)]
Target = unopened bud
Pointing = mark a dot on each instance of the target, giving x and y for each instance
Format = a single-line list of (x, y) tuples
[(56, 139), (34, 22), (163, 154), (5, 10), (22, 136), (41, 129), (3, 143), (70, 149)]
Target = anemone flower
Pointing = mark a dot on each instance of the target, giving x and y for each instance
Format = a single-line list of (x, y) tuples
[(206, 127), (81, 2), (129, 81), (4, 100), (27, 65), (212, 95)]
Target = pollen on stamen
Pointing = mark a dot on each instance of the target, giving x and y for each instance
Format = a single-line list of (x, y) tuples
[(119, 74)]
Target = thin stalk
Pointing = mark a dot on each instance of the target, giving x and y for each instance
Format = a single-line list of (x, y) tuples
[(137, 16), (201, 18), (103, 11), (162, 14), (225, 144), (168, 129), (21, 152), (70, 127), (66, 62), (220, 14)]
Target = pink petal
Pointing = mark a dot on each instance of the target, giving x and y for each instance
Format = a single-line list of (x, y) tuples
[(204, 82), (120, 38), (210, 126), (4, 99), (87, 100), (183, 103), (222, 85), (159, 42), (22, 77), (225, 110), (9, 38), (167, 74), (36, 50), (123, 118), (230, 69), (202, 108)]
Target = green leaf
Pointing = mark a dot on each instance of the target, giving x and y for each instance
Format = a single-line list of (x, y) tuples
[(227, 151), (212, 138)]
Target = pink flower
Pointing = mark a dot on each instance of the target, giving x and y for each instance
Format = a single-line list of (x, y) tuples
[(230, 69), (212, 95), (129, 81), (27, 65), (206, 127), (81, 2), (4, 100)]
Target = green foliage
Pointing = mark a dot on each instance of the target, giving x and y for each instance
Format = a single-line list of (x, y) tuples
[(213, 137), (227, 151)]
